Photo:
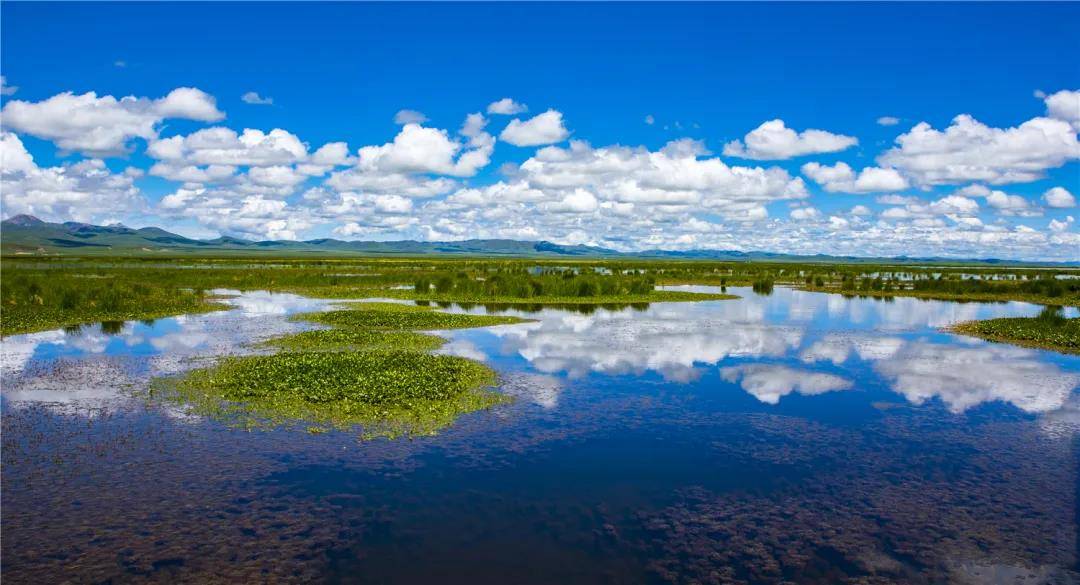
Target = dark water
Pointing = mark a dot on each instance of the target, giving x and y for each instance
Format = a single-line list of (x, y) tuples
[(797, 436)]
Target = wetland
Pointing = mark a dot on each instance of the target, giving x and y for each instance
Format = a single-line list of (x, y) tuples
[(327, 421)]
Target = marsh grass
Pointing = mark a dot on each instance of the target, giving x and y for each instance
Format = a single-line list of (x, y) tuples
[(1049, 330), (618, 300), (38, 302), (400, 317), (388, 393), (370, 369), (356, 340)]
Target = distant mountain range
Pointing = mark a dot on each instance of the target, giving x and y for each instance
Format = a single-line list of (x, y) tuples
[(28, 235)]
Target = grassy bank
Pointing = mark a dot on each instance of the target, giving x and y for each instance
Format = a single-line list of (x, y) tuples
[(1049, 330), (38, 303), (46, 293), (371, 369), (1000, 296)]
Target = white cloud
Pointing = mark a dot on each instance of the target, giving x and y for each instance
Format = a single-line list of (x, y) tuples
[(1003, 202), (842, 178), (1064, 105), (223, 146), (6, 89), (1059, 197), (247, 216), (650, 120), (418, 149), (805, 214), (404, 117), (1060, 226), (13, 155), (546, 128), (506, 107), (971, 151), (102, 126), (578, 201), (84, 191), (773, 140), (888, 121), (254, 98)]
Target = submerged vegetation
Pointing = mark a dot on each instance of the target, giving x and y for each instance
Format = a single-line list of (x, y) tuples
[(1049, 330)]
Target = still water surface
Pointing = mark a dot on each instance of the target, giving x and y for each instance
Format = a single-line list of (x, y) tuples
[(797, 436)]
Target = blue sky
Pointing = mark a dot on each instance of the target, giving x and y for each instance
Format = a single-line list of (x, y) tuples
[(704, 74)]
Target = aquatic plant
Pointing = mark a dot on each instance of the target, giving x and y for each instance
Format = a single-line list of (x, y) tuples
[(388, 392), (400, 317), (356, 340), (1049, 330)]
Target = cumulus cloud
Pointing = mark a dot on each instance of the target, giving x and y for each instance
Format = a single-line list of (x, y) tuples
[(420, 162), (1060, 226), (254, 98), (404, 117), (6, 89), (1064, 105), (1059, 197), (842, 178), (546, 128), (1004, 203), (250, 216), (103, 126), (969, 150), (506, 107), (418, 149), (888, 121), (83, 191), (223, 146), (773, 140)]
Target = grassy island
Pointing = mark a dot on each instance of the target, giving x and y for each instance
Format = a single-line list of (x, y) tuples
[(370, 369), (1049, 330)]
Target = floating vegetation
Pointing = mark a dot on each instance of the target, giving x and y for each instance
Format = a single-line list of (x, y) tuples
[(400, 317), (370, 369), (1049, 330), (356, 340), (388, 392)]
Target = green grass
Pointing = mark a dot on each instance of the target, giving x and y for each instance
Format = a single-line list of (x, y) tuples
[(371, 369), (1047, 331), (61, 304), (399, 317), (1002, 296), (659, 296), (356, 340), (389, 393)]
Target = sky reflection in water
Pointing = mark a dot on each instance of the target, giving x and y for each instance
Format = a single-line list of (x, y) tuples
[(790, 342), (736, 441)]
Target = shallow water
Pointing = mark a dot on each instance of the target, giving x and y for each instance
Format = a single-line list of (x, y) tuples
[(797, 436)]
